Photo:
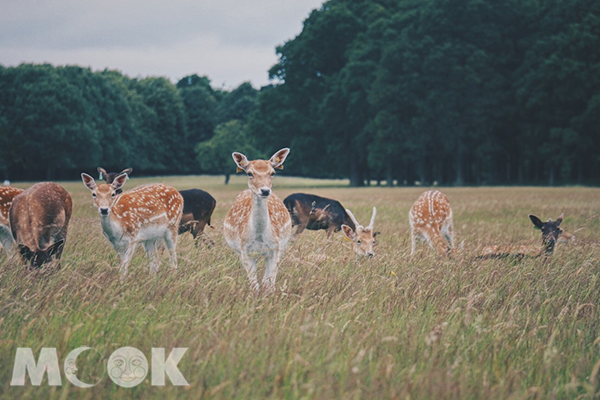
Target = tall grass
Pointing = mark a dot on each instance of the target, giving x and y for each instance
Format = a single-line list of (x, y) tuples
[(337, 327)]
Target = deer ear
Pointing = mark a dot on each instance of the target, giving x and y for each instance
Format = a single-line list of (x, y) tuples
[(536, 221), (88, 181), (560, 219), (119, 181), (279, 157), (103, 173), (127, 171), (240, 160), (348, 232), (55, 247)]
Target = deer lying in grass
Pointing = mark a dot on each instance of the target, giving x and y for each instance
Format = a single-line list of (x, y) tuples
[(7, 194), (198, 207), (147, 214), (430, 219), (258, 224), (362, 238), (552, 234), (39, 220)]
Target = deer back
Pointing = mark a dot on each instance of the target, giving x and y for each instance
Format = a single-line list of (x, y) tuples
[(430, 210)]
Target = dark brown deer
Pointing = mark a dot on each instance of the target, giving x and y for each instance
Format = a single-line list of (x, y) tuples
[(312, 212), (39, 219), (198, 207), (552, 234), (7, 194)]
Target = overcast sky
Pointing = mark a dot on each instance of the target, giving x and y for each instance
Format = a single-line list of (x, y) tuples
[(230, 41)]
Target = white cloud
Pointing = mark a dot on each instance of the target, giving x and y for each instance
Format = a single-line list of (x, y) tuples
[(230, 41)]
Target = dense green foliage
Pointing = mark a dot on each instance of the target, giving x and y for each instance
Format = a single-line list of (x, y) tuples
[(453, 91)]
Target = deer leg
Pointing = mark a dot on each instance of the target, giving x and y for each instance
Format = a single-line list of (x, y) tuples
[(413, 242), (6, 238), (330, 231), (150, 248), (171, 243), (272, 265), (448, 232), (250, 267), (300, 229), (126, 256)]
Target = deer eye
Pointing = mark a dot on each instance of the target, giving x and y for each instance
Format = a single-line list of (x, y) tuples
[(272, 174), (94, 195), (250, 175), (359, 241), (113, 195)]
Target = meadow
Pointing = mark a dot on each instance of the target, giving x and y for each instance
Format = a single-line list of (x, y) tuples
[(337, 327)]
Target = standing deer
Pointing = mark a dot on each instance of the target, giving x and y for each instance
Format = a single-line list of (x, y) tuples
[(198, 207), (430, 219), (7, 194), (258, 224), (39, 219), (147, 214), (363, 239), (552, 234)]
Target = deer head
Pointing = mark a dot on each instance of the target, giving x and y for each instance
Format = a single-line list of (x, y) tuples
[(36, 258), (363, 238), (109, 177), (551, 231), (260, 172), (104, 195)]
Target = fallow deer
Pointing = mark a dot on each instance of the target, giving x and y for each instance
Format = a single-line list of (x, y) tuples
[(312, 212), (552, 234), (39, 220), (258, 224), (362, 238), (147, 214), (198, 207), (7, 194), (430, 219)]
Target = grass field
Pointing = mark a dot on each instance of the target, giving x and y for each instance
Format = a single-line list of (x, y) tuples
[(337, 327)]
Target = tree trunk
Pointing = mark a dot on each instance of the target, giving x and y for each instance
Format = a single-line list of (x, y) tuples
[(356, 178), (460, 166), (227, 178), (388, 174)]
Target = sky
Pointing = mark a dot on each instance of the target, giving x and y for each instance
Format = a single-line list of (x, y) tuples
[(230, 41)]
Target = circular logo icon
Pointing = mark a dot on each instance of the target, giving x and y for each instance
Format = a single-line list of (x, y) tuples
[(81, 369), (127, 367)]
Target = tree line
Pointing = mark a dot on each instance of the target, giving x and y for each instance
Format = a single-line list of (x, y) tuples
[(395, 91)]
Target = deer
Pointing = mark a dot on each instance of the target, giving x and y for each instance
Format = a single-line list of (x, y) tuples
[(198, 207), (430, 219), (7, 194), (149, 214), (552, 234), (258, 224), (312, 212), (39, 221), (362, 238)]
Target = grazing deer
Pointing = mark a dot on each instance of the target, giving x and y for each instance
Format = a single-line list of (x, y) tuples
[(198, 207), (147, 214), (258, 224), (430, 219), (7, 194), (552, 234), (362, 238), (312, 212), (39, 220)]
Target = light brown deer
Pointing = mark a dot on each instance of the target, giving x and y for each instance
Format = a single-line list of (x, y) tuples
[(147, 214), (7, 194), (39, 220), (362, 238), (258, 224), (430, 219)]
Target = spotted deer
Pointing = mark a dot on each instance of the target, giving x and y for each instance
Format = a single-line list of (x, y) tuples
[(7, 194), (362, 238), (39, 220), (147, 214), (552, 234), (258, 224), (430, 219)]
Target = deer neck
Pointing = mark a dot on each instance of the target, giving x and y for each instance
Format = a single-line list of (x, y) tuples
[(110, 228), (259, 218)]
